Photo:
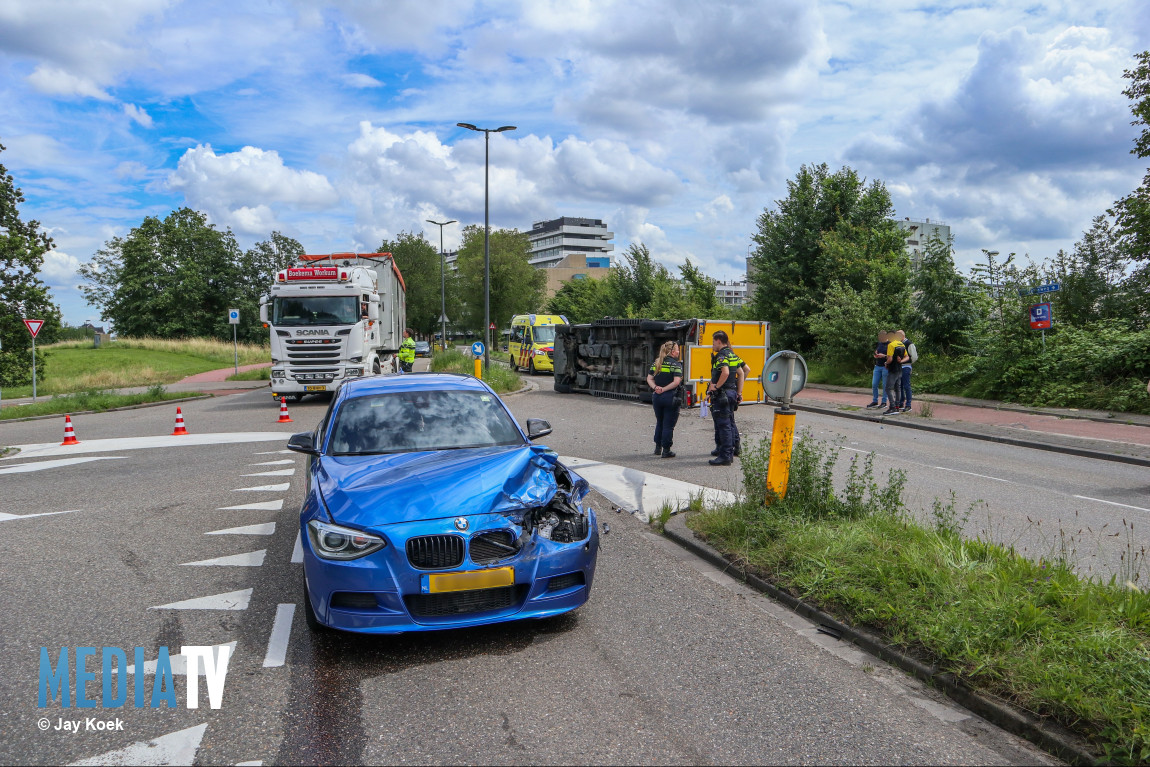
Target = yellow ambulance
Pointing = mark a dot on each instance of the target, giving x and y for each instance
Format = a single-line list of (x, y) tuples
[(532, 342)]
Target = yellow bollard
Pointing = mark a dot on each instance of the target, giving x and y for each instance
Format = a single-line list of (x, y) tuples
[(779, 469), (478, 368)]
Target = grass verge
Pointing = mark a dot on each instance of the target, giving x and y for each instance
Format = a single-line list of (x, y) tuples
[(75, 366), (259, 374), (90, 400), (498, 377), (1033, 633)]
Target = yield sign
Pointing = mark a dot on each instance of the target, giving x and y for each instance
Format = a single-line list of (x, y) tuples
[(34, 326)]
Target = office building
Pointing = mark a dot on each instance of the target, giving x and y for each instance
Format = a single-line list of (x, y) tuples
[(733, 293), (570, 248), (918, 234)]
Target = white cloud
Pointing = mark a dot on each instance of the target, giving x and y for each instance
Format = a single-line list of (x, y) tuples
[(59, 268), (236, 188), (57, 82), (138, 115), (360, 80)]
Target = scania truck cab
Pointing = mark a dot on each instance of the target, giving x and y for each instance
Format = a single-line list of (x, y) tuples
[(333, 317)]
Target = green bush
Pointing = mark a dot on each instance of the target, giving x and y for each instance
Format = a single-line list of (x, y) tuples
[(499, 377)]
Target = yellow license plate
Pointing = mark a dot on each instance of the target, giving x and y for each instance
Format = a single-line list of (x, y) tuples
[(315, 388), (438, 583)]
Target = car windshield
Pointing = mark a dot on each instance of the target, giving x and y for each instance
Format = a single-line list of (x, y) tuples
[(544, 334), (316, 310), (412, 421)]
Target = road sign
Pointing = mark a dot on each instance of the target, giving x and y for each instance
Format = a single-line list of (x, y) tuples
[(775, 374), (477, 349), (34, 326), (234, 316), (1050, 287), (1040, 316), (491, 326)]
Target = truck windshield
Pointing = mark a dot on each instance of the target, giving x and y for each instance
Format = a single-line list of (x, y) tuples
[(316, 310), (544, 334)]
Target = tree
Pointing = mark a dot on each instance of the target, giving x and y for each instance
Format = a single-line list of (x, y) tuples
[(942, 303), (1132, 212), (516, 286), (171, 278), (22, 294), (846, 328), (257, 269), (1092, 277), (418, 260), (581, 300), (700, 292), (830, 228)]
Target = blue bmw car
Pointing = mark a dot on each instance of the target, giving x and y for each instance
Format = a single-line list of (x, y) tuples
[(429, 508)]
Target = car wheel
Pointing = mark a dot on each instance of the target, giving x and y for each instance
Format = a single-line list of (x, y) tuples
[(511, 362), (309, 614), (531, 367)]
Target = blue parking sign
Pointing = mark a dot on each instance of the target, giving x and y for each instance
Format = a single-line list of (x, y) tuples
[(1039, 316)]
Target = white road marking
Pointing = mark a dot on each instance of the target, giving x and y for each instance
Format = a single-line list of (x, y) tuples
[(268, 528), (250, 559), (276, 473), (640, 491), (256, 763), (264, 488), (284, 462), (21, 468), (281, 632), (297, 552), (9, 517), (174, 748), (275, 452), (179, 662), (260, 506), (856, 450), (1112, 503), (45, 449), (971, 473), (232, 600)]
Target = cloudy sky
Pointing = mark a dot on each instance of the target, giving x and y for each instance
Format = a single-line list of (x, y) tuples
[(676, 122)]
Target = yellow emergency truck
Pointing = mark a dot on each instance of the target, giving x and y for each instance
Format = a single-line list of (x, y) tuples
[(532, 342)]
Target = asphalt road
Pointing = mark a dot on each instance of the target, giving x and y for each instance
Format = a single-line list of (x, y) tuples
[(669, 662)]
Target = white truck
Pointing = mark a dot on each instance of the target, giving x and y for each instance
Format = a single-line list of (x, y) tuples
[(333, 317)]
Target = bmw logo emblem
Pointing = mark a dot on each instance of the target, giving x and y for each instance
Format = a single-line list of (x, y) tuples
[(460, 523)]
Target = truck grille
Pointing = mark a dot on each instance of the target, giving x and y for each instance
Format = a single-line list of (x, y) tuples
[(464, 602), (313, 351), (493, 546), (435, 552)]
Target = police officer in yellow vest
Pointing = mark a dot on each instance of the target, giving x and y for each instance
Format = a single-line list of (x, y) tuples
[(664, 378), (407, 351), (740, 369), (723, 391)]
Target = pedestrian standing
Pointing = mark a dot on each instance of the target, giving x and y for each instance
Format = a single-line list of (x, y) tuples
[(741, 370), (895, 354), (907, 369), (407, 351), (878, 377), (664, 378), (722, 390)]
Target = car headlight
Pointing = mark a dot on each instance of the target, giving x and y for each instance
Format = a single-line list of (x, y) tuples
[(335, 542)]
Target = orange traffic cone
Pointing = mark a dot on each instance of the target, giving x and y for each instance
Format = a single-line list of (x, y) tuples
[(179, 424), (284, 417), (69, 435)]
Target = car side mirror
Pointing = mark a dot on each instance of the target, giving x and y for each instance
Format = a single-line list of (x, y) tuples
[(536, 428), (302, 443)]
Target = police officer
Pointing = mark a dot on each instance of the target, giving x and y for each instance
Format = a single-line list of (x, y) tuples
[(723, 390), (741, 369), (664, 378), (407, 351)]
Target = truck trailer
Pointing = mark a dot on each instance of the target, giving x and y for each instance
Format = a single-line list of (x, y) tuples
[(333, 317), (611, 357)]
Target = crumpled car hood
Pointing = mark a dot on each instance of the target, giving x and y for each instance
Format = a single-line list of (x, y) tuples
[(368, 491)]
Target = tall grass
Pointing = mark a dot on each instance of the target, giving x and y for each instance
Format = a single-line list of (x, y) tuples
[(499, 377), (95, 400), (204, 348), (1035, 633)]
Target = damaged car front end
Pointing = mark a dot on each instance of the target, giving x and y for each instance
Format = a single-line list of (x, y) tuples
[(429, 508)]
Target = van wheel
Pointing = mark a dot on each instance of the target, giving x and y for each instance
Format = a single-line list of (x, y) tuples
[(511, 362), (531, 367)]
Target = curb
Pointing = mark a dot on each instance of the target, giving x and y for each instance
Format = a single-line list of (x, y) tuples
[(109, 410), (527, 386), (1078, 451), (1048, 736), (1115, 417)]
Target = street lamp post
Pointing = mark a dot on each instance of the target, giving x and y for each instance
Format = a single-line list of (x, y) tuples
[(486, 234), (442, 281)]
